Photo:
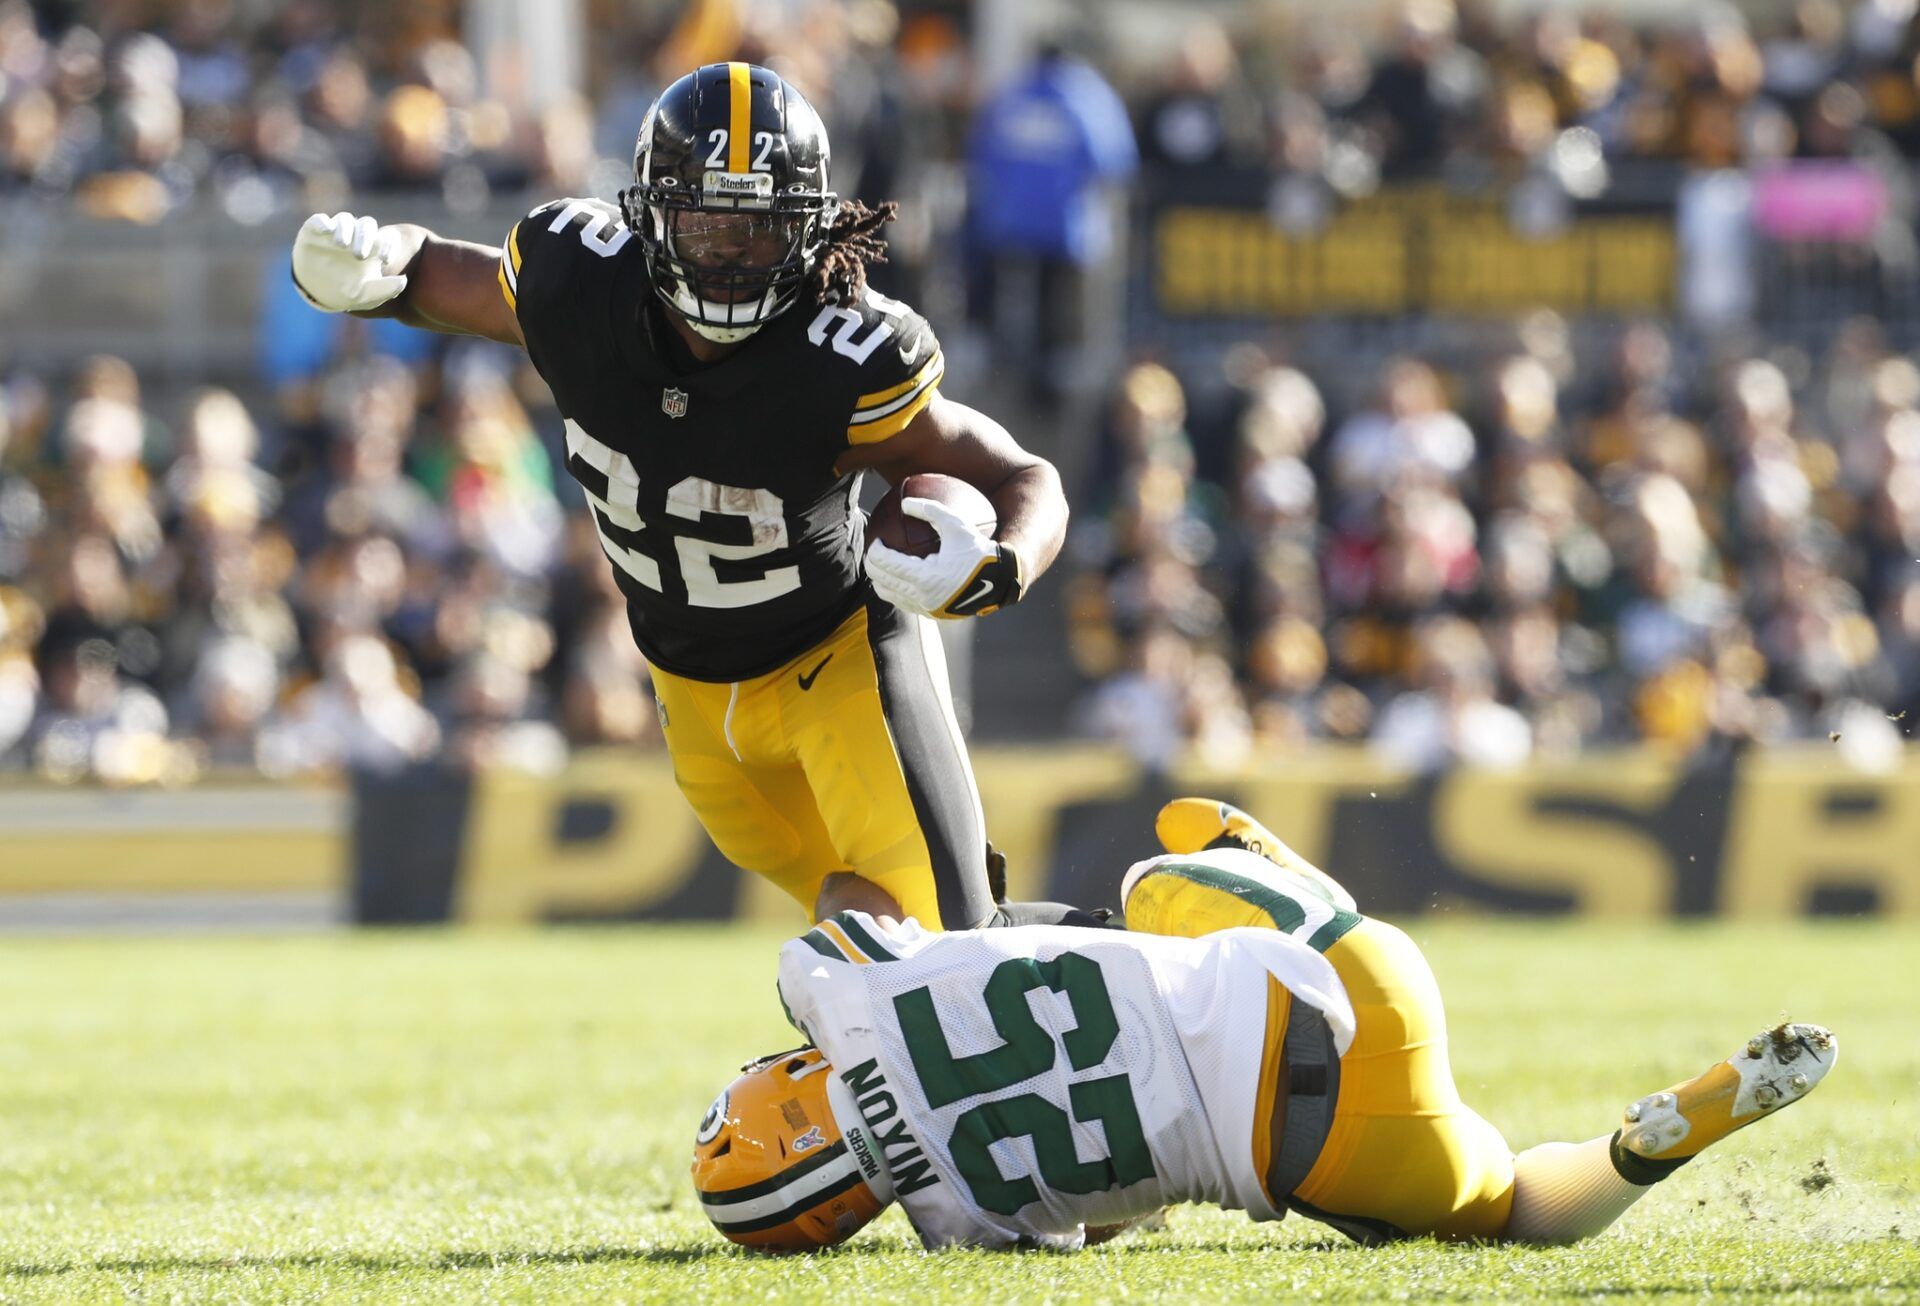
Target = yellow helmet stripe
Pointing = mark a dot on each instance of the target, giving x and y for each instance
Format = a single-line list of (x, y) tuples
[(740, 121)]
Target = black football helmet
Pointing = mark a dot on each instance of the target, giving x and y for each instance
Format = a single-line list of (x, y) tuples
[(730, 197)]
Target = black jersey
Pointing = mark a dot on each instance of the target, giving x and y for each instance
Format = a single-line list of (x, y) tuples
[(735, 541)]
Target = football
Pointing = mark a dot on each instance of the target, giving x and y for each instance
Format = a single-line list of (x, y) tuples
[(896, 530)]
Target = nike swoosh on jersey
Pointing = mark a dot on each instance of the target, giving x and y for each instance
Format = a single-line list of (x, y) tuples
[(907, 356), (808, 677)]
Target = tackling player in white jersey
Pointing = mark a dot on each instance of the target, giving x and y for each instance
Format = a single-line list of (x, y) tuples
[(1253, 1042)]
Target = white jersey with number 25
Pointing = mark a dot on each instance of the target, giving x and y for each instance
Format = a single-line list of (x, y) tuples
[(1024, 1083)]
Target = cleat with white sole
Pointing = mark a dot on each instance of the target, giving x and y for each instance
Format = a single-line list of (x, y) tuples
[(1775, 1069)]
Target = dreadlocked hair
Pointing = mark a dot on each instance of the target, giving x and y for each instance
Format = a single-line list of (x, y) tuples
[(851, 242)]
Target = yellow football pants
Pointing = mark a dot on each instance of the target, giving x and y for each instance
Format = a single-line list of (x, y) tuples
[(1404, 1151), (846, 759), (1403, 1154)]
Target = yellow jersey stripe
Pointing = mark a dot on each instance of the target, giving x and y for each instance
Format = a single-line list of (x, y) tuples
[(840, 940), (513, 248), (506, 291), (821, 944), (851, 927), (740, 120), (1279, 1005), (895, 391), (872, 429)]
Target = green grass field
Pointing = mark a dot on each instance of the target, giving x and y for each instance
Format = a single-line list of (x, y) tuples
[(505, 1116)]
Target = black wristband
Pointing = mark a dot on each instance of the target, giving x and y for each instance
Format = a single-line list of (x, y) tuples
[(995, 585)]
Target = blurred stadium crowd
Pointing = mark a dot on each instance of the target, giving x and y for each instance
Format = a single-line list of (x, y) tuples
[(133, 108), (140, 109), (374, 561), (1511, 564)]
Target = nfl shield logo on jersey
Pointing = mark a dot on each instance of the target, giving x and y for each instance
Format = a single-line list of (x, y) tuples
[(673, 403)]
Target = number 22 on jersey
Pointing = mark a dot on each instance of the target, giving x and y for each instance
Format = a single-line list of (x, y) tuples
[(1027, 1051), (617, 513)]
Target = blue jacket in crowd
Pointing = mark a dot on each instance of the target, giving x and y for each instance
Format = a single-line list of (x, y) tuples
[(1038, 152)]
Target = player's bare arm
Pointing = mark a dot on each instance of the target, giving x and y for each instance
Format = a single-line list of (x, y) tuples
[(970, 573), (953, 439), (452, 285), (348, 264)]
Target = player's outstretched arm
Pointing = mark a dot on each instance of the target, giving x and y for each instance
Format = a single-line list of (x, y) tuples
[(348, 264), (955, 440)]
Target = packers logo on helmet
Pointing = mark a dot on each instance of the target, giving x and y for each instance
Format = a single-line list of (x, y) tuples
[(713, 1121), (778, 1162)]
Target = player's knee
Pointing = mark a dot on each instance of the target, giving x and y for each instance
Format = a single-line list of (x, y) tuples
[(1384, 958)]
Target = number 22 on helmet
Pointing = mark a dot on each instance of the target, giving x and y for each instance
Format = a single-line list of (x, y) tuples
[(782, 1160)]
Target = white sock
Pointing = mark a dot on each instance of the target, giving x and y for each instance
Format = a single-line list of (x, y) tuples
[(1563, 1192)]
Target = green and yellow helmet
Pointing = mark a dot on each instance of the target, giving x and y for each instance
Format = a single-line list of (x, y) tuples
[(781, 1165)]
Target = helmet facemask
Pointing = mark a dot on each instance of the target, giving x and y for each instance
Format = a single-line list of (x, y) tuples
[(728, 262), (733, 270)]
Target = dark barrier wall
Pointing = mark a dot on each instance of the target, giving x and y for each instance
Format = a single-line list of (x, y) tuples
[(1623, 835)]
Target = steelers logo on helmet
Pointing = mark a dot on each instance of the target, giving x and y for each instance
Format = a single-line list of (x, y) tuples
[(796, 1171), (730, 197)]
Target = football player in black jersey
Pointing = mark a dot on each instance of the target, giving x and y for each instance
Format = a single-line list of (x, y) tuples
[(726, 376)]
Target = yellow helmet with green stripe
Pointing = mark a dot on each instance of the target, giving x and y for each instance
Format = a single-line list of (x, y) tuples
[(782, 1160)]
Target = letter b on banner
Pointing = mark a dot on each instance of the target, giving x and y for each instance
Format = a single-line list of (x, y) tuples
[(1803, 830)]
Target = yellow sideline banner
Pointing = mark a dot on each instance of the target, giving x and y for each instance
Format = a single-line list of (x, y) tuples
[(1625, 835), (254, 838), (1215, 248)]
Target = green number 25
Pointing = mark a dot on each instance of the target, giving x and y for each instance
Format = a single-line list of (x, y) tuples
[(1028, 1050)]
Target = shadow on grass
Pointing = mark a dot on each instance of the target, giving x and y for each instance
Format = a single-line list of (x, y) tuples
[(1156, 1242), (473, 1260)]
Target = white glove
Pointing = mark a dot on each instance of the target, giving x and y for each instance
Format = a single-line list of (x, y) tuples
[(340, 263), (969, 575)]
